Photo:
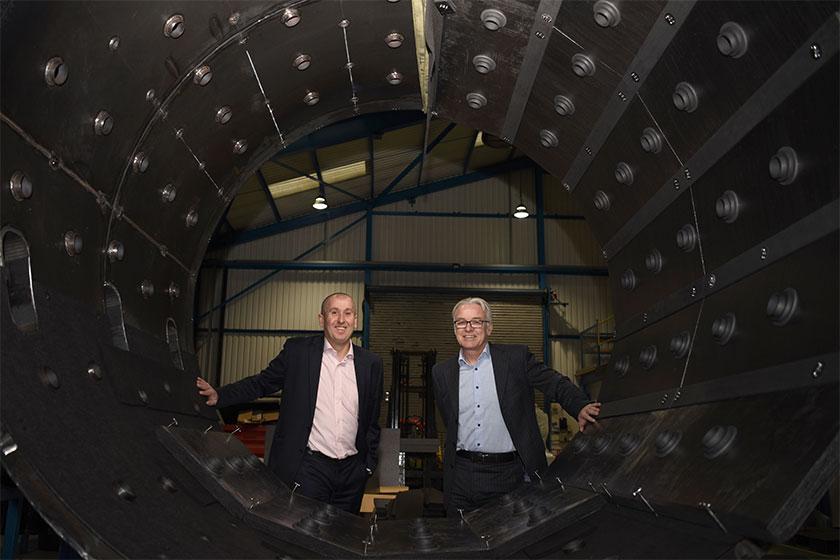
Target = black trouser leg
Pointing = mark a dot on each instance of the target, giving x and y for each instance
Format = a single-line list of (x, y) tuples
[(337, 482), (476, 484)]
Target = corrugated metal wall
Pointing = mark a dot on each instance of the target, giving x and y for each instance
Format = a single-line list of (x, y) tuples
[(290, 299)]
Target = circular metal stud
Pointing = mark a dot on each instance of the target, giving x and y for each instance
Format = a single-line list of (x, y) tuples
[(202, 75), (723, 328), (666, 442), (622, 366), (564, 106), (73, 243), (493, 19), (56, 72), (654, 261), (651, 140), (680, 344), (606, 13), (20, 186), (311, 98), (290, 17), (114, 43), (624, 173), (685, 97), (191, 219), (173, 291), (629, 280), (394, 40), (224, 114), (784, 165), (476, 100), (483, 63), (717, 440), (174, 26), (732, 40), (782, 306), (647, 357), (240, 146), (687, 238), (602, 201), (139, 163), (168, 193), (103, 123), (115, 251), (394, 78), (548, 139), (728, 207), (147, 289), (583, 65), (302, 62)]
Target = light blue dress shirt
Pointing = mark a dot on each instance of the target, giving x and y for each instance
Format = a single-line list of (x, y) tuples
[(481, 426)]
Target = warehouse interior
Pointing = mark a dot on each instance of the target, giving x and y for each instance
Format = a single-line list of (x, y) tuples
[(646, 192)]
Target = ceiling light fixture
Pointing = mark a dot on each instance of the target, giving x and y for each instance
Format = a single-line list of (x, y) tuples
[(320, 203), (521, 212)]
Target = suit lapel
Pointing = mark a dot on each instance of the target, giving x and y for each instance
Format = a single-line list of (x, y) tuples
[(454, 388), (362, 367), (500, 372), (313, 366)]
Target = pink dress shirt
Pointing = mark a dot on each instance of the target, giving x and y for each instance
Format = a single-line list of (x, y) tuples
[(336, 407)]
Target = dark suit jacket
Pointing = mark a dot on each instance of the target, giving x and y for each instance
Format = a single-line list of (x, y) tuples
[(517, 372), (297, 370)]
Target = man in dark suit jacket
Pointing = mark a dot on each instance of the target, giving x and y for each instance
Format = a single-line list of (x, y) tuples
[(327, 436), (486, 399)]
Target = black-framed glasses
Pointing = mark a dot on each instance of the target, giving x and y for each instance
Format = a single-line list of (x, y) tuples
[(461, 324)]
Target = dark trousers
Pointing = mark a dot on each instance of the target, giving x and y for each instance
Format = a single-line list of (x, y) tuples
[(340, 482), (475, 484)]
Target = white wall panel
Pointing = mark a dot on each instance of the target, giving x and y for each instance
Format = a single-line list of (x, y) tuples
[(456, 280), (289, 300), (571, 242), (246, 355), (565, 357), (587, 298)]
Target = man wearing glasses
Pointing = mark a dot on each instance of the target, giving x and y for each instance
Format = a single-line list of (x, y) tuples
[(326, 441), (486, 400)]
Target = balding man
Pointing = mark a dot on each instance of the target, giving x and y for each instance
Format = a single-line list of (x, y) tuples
[(327, 436), (486, 399)]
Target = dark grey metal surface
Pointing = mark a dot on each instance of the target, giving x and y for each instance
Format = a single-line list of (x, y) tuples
[(100, 425)]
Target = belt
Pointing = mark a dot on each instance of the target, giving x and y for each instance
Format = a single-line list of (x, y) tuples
[(487, 458), (326, 457)]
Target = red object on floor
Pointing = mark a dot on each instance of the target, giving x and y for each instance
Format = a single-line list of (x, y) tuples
[(252, 435)]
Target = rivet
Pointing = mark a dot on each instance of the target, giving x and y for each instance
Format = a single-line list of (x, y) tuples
[(202, 75), (179, 133), (290, 17), (302, 62), (394, 40), (150, 95), (140, 163), (20, 186), (240, 146), (484, 63), (588, 150), (234, 18), (712, 280), (311, 98), (224, 114), (476, 100), (191, 219), (394, 78), (634, 77), (168, 193), (546, 18), (764, 253), (671, 20), (103, 124), (55, 72), (540, 35), (174, 26), (493, 19), (344, 23), (54, 162), (693, 291), (114, 43), (173, 290), (816, 51), (817, 371), (147, 289), (73, 243), (115, 251)]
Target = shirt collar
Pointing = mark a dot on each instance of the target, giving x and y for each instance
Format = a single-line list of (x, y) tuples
[(330, 350), (485, 352)]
